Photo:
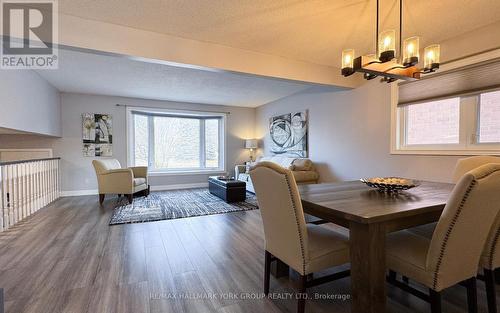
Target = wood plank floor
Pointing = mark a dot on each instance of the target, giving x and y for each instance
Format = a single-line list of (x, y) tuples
[(67, 259)]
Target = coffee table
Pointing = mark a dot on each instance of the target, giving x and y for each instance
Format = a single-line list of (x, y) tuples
[(228, 190)]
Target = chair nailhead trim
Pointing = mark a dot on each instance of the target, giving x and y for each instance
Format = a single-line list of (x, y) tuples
[(450, 229), (497, 234), (298, 225)]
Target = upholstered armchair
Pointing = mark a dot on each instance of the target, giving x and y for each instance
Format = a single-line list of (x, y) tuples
[(113, 179)]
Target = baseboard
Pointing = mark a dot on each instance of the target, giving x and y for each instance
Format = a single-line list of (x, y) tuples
[(179, 186), (75, 193)]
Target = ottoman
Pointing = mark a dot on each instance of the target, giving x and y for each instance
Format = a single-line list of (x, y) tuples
[(227, 190)]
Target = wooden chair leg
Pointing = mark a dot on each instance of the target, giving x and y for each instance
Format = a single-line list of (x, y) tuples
[(489, 281), (280, 269), (101, 198), (130, 198), (301, 305), (472, 294), (267, 272), (435, 299)]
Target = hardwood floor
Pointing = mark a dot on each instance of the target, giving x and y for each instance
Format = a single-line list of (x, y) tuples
[(67, 259)]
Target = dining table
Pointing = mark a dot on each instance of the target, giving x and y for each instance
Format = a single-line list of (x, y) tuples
[(370, 215)]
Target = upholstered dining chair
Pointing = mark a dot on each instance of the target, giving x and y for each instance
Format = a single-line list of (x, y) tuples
[(306, 248), (113, 179), (490, 258), (453, 252), (467, 164)]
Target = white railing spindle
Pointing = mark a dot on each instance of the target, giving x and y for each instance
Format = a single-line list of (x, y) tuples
[(26, 187)]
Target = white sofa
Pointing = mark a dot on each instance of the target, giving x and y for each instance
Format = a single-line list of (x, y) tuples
[(303, 170)]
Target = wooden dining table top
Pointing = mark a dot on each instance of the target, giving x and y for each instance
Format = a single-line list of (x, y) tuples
[(370, 215), (353, 201)]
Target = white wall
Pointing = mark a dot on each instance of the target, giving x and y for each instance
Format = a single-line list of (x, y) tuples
[(77, 170), (349, 135), (29, 103)]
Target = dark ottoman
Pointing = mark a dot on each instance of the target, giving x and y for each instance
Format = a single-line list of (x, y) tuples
[(228, 190)]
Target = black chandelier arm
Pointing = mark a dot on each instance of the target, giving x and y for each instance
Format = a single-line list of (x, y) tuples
[(401, 28)]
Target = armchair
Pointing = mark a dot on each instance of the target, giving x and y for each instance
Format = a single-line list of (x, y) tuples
[(113, 179)]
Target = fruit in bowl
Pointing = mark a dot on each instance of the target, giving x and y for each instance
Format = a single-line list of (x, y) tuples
[(390, 184)]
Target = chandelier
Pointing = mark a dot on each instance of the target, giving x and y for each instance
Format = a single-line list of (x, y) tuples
[(385, 63)]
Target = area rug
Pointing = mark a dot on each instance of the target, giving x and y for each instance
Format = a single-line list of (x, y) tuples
[(174, 204)]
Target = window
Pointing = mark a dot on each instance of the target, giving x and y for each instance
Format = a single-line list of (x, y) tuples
[(457, 125), (432, 123), (168, 141), (489, 117)]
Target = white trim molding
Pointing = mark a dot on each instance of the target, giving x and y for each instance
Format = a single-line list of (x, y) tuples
[(76, 193), (90, 192)]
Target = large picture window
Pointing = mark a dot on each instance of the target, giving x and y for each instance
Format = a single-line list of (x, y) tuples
[(173, 141), (467, 124)]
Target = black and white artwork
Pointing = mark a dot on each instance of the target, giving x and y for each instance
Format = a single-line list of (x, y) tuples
[(97, 135), (288, 134)]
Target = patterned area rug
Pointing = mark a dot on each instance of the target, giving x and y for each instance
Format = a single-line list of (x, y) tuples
[(176, 204)]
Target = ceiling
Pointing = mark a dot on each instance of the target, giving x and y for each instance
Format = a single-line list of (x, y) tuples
[(315, 31), (83, 72)]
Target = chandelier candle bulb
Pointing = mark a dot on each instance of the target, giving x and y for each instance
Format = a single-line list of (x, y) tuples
[(387, 45), (411, 49), (347, 62), (431, 57)]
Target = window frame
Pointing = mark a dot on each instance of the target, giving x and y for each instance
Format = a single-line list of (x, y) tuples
[(477, 125), (469, 129), (200, 115)]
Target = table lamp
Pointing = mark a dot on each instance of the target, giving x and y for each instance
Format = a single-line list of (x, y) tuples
[(251, 144)]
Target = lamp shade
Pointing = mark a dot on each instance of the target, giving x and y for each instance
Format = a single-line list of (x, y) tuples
[(432, 55), (348, 58), (387, 41), (411, 48), (251, 144)]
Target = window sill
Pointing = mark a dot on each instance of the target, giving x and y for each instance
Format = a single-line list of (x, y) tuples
[(186, 172), (445, 152)]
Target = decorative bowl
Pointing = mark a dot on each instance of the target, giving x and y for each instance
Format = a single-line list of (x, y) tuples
[(390, 184)]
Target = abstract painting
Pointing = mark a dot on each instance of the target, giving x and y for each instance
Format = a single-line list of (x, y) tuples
[(288, 134), (97, 135)]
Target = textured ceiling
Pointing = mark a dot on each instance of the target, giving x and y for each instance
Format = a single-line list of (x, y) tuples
[(81, 72), (314, 31)]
